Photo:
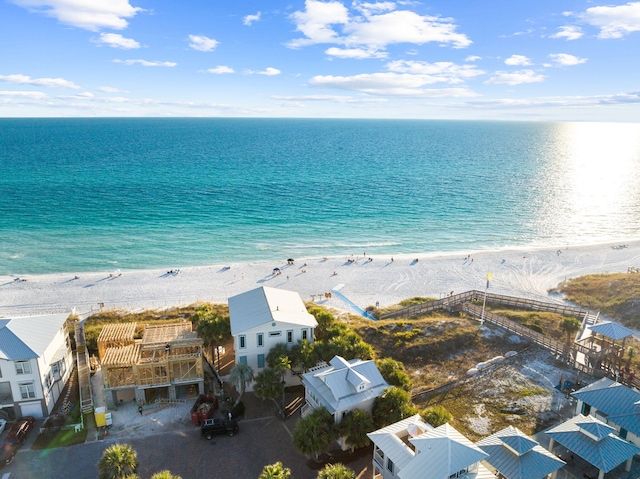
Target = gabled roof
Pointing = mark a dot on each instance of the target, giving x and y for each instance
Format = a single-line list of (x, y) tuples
[(611, 330), (602, 451), (265, 305), (28, 337), (615, 400), (517, 456), (390, 439), (343, 384), (442, 451)]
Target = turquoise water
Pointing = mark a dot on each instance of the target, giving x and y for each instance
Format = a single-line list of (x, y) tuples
[(94, 194)]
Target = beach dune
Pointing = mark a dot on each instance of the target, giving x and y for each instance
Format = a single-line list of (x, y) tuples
[(363, 281)]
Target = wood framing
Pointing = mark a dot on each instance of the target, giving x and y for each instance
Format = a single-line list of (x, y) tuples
[(167, 355), (112, 335)]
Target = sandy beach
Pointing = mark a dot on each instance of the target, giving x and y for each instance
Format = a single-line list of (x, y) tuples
[(362, 280)]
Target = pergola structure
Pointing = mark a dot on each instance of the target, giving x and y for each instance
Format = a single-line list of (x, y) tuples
[(167, 356), (604, 341)]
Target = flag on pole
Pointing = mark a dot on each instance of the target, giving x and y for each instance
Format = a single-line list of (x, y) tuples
[(489, 278)]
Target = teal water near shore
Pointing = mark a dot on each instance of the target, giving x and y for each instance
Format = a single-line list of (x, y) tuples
[(99, 194)]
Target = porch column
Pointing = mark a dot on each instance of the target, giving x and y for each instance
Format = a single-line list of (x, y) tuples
[(627, 467), (601, 474), (140, 395), (172, 391), (201, 387), (551, 441)]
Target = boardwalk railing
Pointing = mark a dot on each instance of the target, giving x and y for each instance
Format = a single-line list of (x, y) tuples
[(84, 376), (477, 296)]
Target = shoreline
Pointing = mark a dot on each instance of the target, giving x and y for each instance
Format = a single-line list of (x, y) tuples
[(520, 271)]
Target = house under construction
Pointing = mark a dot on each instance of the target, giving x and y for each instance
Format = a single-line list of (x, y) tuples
[(165, 364)]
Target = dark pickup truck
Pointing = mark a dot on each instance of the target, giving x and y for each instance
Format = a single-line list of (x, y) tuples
[(214, 427)]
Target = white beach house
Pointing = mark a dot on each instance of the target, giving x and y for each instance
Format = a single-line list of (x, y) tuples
[(35, 364), (264, 317), (412, 449), (343, 386)]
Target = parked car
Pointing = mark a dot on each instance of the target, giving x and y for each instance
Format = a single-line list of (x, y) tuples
[(7, 454), (3, 423), (18, 432), (213, 427)]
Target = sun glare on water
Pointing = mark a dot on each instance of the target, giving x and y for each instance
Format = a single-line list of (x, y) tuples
[(592, 180)]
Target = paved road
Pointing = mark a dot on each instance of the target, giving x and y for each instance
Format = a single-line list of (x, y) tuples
[(183, 452)]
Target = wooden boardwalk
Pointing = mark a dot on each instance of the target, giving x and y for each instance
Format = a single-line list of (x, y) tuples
[(84, 376), (579, 356)]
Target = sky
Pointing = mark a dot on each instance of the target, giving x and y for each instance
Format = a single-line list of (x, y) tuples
[(539, 60)]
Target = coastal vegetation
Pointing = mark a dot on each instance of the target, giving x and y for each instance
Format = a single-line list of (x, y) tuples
[(615, 295)]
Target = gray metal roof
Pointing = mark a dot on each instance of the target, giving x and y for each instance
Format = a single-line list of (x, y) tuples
[(516, 456), (390, 439), (28, 337), (615, 400), (611, 330), (441, 451), (337, 385), (606, 453), (264, 305)]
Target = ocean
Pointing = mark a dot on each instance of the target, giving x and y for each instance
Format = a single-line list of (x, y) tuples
[(99, 194)]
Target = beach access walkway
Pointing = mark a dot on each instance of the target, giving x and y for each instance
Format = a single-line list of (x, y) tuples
[(84, 376), (590, 360)]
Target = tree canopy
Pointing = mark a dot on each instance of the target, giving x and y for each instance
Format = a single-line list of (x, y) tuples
[(392, 406), (118, 461), (336, 471), (354, 428), (241, 375), (436, 415), (314, 433), (393, 372), (275, 471)]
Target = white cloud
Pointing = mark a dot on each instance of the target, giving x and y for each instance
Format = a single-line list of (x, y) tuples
[(108, 89), (202, 43), (269, 71), (389, 84), (373, 30), (515, 78), (355, 53), (36, 95), (367, 8), (249, 19), (568, 32), (115, 40), (220, 70), (331, 98), (555, 102), (47, 82), (614, 21), (472, 58), (446, 72), (566, 60), (146, 63), (519, 60), (91, 15)]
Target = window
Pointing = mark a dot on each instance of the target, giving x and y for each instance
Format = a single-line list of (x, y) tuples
[(260, 340), (390, 465), (275, 333), (55, 369), (27, 391), (23, 367), (242, 360), (49, 380), (289, 336), (260, 360), (243, 341), (304, 333)]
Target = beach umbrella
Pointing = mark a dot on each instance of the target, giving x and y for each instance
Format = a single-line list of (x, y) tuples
[(290, 259), (276, 269)]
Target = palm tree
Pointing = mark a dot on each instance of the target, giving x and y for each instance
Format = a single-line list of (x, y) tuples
[(336, 471), (631, 353), (314, 433), (570, 326), (118, 461), (275, 471), (212, 327), (392, 406), (268, 385), (304, 355), (240, 376), (436, 415), (282, 365), (166, 474), (354, 428)]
